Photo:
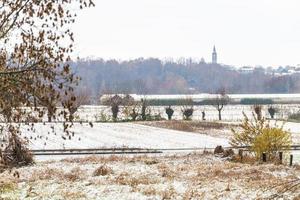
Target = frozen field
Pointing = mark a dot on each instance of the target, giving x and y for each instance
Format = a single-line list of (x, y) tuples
[(116, 135), (109, 135)]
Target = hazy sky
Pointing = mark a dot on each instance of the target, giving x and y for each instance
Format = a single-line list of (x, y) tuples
[(245, 32)]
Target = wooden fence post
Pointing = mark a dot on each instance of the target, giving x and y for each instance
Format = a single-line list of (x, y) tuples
[(264, 157), (280, 157), (291, 160), (241, 154)]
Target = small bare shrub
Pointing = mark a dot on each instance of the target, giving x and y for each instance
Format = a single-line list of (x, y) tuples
[(73, 194), (102, 171), (143, 109), (16, 152), (257, 109), (169, 112), (74, 174), (103, 117), (218, 150), (115, 110), (149, 191), (169, 193), (166, 172), (228, 152), (151, 161), (133, 181), (272, 111), (187, 113), (46, 174)]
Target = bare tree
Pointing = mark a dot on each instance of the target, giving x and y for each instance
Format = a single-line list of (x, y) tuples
[(82, 96), (272, 111), (220, 101), (115, 102), (144, 105), (258, 111), (187, 108), (169, 112)]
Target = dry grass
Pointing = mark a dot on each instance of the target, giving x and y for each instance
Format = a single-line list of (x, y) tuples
[(151, 161), (169, 193), (102, 171), (193, 176), (93, 159), (203, 127), (57, 174), (7, 185), (74, 175), (71, 195), (46, 174), (149, 191), (134, 180), (166, 171), (189, 126)]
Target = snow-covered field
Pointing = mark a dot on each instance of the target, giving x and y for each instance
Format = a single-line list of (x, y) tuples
[(179, 176), (110, 135), (116, 135), (193, 176)]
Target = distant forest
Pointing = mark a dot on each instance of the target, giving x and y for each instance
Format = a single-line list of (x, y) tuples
[(154, 76)]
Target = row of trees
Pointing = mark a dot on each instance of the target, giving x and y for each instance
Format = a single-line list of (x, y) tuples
[(132, 107), (154, 76)]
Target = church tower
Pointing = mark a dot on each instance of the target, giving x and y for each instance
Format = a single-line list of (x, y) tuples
[(214, 56)]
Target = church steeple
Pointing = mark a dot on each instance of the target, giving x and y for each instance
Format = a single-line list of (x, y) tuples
[(214, 55)]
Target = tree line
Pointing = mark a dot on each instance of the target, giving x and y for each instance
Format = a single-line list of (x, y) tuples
[(154, 76)]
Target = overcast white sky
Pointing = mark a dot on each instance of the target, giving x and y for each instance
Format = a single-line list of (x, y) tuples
[(245, 32)]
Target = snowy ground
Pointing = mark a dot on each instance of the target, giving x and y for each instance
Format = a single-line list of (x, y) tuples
[(193, 176), (116, 135), (182, 176), (109, 135)]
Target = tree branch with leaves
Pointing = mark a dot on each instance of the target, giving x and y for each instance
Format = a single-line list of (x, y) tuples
[(35, 47)]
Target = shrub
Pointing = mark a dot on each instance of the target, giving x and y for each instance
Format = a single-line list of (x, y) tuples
[(126, 112), (134, 114), (7, 186), (16, 152), (169, 112), (144, 107), (261, 137), (187, 113), (271, 111), (115, 110), (294, 116), (257, 109), (104, 117), (102, 171), (271, 141)]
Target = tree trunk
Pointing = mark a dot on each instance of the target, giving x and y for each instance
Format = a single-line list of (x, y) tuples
[(49, 118), (220, 117)]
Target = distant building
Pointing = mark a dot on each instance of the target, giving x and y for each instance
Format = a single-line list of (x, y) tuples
[(246, 70), (214, 56)]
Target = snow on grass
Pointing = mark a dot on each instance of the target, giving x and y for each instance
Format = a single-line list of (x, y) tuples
[(192, 176)]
